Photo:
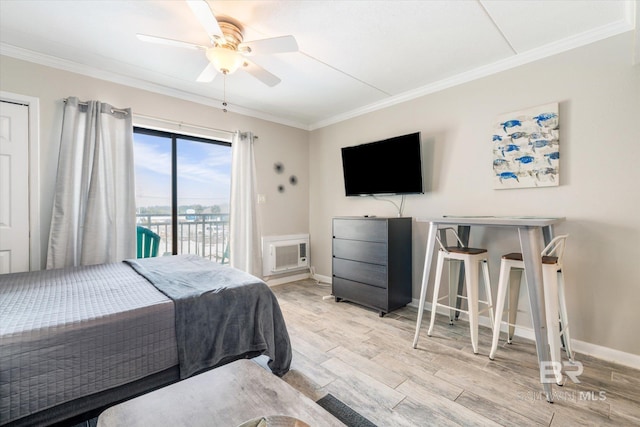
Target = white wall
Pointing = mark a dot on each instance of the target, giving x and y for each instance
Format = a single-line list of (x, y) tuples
[(599, 94), (283, 213)]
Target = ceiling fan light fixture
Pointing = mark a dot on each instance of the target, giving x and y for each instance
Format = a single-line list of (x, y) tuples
[(226, 61), (228, 49)]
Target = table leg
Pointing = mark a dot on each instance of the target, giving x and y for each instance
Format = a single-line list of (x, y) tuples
[(530, 243), (431, 241), (547, 234)]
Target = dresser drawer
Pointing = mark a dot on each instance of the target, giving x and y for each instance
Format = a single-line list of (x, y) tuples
[(357, 250), (372, 261), (360, 293), (372, 274), (371, 230)]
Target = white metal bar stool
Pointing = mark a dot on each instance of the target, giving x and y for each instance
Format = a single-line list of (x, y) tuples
[(555, 303), (472, 259)]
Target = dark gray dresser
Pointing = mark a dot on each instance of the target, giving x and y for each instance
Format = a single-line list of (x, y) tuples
[(372, 261)]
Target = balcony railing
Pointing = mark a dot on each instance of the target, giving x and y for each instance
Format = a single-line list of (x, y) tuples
[(206, 235)]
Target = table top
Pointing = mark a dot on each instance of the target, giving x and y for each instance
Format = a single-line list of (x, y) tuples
[(505, 221), (225, 396)]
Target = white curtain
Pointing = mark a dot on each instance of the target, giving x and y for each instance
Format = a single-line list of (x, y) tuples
[(94, 214), (244, 240)]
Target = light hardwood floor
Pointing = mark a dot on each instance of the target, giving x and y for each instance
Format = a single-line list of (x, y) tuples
[(368, 363)]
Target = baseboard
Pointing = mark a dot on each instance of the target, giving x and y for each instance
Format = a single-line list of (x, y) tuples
[(302, 276), (582, 347), (286, 279), (606, 353), (322, 279)]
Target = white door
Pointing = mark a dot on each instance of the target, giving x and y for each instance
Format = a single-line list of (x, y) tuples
[(14, 188)]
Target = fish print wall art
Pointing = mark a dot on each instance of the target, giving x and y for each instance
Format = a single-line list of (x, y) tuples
[(526, 148)]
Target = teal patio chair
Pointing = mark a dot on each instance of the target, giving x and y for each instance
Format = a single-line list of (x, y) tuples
[(148, 242), (225, 255)]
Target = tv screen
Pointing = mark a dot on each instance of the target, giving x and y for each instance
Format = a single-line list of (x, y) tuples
[(390, 166)]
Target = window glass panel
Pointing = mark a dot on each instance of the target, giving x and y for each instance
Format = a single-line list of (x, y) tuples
[(203, 180), (152, 159)]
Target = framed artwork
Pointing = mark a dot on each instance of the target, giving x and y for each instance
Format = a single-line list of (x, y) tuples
[(526, 148)]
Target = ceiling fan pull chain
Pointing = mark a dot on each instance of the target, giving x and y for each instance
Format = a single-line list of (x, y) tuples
[(224, 92)]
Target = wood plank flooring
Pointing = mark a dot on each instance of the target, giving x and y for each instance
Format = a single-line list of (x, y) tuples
[(368, 363)]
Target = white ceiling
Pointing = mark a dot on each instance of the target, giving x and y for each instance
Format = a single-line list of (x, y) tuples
[(355, 56)]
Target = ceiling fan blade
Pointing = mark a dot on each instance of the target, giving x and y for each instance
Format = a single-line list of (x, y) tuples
[(272, 45), (170, 42), (260, 73), (205, 16), (208, 74)]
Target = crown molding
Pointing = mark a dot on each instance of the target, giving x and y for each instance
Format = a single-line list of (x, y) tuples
[(74, 67), (490, 69)]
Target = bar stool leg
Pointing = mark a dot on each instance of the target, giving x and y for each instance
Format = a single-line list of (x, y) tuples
[(454, 271), (436, 291), (487, 290), (471, 273), (564, 318), (515, 279), (423, 297), (550, 281), (503, 285)]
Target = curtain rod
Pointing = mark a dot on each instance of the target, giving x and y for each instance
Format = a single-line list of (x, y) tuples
[(173, 122), (86, 104), (180, 124)]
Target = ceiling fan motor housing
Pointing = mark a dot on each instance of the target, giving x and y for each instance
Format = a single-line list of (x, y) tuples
[(232, 36)]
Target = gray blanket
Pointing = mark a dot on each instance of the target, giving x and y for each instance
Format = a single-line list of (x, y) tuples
[(221, 313)]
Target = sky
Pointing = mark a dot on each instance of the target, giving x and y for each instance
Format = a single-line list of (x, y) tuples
[(204, 172)]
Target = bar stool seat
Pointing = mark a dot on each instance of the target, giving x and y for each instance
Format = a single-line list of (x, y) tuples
[(555, 303), (517, 256), (472, 258)]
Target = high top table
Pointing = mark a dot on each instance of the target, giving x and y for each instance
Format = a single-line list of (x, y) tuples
[(531, 230)]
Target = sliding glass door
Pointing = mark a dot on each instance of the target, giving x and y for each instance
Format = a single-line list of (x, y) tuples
[(182, 192)]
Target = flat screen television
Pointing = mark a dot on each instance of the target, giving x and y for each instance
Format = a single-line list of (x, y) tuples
[(387, 167)]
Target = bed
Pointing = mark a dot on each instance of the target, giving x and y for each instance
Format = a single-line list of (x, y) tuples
[(77, 339)]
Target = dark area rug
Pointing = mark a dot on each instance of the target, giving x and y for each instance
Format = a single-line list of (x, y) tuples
[(93, 422), (344, 413)]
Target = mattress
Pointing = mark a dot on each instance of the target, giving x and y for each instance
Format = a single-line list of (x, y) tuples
[(69, 333)]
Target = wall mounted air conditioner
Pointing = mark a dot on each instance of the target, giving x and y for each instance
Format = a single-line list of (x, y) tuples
[(281, 254)]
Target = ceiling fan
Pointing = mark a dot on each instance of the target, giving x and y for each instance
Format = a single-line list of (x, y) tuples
[(228, 51)]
